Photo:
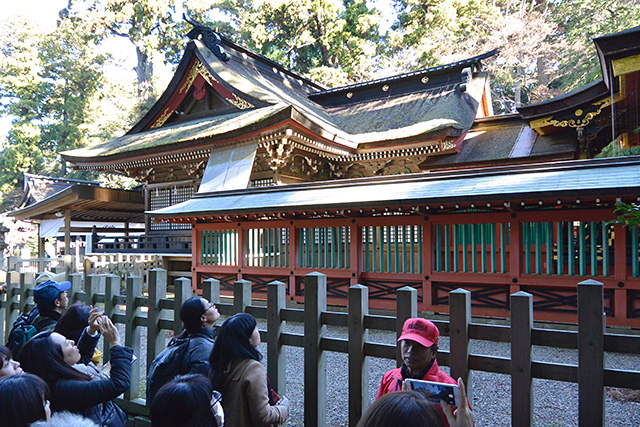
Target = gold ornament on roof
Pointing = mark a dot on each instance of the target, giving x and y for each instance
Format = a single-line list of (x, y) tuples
[(199, 69), (166, 113)]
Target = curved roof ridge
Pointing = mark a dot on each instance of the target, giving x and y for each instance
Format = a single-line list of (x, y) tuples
[(456, 64)]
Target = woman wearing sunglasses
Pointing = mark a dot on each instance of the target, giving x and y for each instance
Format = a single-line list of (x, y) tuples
[(198, 316)]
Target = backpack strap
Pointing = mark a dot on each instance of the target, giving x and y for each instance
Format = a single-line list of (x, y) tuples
[(41, 323)]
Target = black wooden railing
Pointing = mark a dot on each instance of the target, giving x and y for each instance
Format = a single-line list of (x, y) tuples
[(152, 243)]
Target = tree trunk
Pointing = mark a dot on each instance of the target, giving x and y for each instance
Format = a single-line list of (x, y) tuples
[(326, 58), (543, 75), (144, 71)]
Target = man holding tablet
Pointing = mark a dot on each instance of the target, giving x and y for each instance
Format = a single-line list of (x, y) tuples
[(418, 345)]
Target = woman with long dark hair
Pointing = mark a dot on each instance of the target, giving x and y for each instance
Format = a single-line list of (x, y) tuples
[(198, 316), (51, 356), (187, 401), (237, 372), (72, 324), (73, 321), (23, 400)]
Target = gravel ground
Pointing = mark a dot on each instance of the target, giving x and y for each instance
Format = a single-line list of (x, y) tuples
[(555, 402)]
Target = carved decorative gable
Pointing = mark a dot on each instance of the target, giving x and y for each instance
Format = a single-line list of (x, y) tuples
[(199, 93)]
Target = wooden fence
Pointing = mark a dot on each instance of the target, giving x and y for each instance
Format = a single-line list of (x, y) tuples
[(121, 264), (590, 340)]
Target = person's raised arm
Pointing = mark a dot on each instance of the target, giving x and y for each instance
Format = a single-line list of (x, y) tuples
[(109, 331)]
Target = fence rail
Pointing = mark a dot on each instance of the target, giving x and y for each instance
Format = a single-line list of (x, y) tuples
[(151, 243), (590, 339)]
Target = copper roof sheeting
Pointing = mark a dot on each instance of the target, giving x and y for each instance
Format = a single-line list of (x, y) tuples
[(578, 178)]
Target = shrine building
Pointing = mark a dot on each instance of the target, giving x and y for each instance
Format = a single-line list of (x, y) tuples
[(407, 180)]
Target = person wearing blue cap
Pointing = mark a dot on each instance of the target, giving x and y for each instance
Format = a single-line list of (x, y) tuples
[(51, 300)]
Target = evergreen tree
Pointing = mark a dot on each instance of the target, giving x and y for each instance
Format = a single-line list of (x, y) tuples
[(47, 87), (332, 41)]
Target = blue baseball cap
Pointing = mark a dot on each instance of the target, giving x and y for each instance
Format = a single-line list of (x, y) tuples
[(47, 292)]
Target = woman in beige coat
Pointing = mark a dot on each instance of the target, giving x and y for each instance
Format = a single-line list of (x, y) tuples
[(236, 371)]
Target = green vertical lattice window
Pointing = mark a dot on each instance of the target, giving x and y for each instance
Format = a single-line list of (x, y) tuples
[(324, 247), (574, 248), (392, 248), (471, 248), (268, 247), (219, 247)]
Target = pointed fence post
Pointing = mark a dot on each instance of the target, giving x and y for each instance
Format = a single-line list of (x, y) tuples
[(521, 358), (358, 362), (75, 293), (211, 290), (91, 288), (132, 332), (183, 292), (3, 309), (315, 360), (241, 295), (276, 359), (11, 301), (591, 323), (111, 290), (157, 291), (61, 269), (27, 281), (407, 308), (459, 320)]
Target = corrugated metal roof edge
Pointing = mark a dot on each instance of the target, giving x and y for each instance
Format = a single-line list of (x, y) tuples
[(431, 176), (428, 176), (489, 197)]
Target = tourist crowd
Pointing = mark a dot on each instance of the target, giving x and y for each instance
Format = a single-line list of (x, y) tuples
[(202, 378)]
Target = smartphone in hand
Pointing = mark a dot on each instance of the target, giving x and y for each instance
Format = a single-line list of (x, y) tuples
[(274, 397), (435, 391)]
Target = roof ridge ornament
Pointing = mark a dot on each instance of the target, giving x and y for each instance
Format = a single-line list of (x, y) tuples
[(209, 38)]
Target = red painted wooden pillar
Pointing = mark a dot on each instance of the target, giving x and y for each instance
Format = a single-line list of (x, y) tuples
[(195, 255), (294, 257), (427, 265), (620, 271), (515, 252), (355, 252), (242, 250)]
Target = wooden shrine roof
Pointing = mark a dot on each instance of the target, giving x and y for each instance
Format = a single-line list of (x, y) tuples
[(252, 93), (504, 140), (543, 183), (39, 187), (87, 203)]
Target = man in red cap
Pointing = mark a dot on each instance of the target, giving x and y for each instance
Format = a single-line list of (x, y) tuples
[(418, 345)]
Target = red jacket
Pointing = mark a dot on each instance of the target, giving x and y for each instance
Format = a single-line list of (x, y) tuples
[(392, 380)]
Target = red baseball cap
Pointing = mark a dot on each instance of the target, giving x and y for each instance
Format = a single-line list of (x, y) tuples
[(420, 330)]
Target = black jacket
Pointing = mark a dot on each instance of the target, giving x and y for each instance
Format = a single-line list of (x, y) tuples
[(196, 359), (94, 399)]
